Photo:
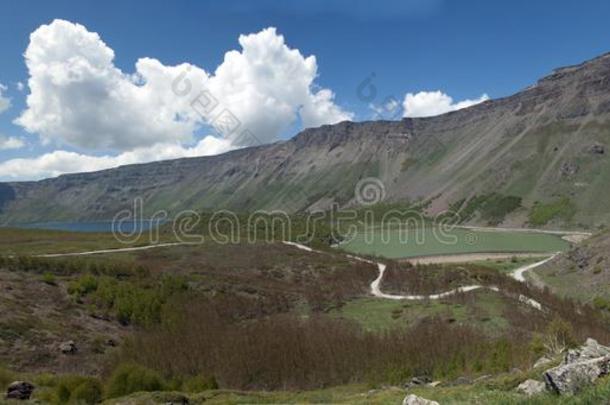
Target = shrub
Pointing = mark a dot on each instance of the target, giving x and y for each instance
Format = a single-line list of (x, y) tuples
[(88, 392), (200, 383), (70, 389), (83, 286), (49, 278), (129, 378)]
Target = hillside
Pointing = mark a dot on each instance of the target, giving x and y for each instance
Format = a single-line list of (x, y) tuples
[(546, 145), (582, 273)]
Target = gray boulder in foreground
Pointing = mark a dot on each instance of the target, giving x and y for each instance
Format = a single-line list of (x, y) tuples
[(580, 367), (19, 390), (531, 387), (415, 400)]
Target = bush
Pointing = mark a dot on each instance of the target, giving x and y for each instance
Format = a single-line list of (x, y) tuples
[(88, 392), (70, 389), (200, 383), (49, 278), (83, 286), (129, 378)]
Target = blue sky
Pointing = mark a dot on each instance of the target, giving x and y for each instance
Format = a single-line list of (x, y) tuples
[(464, 49)]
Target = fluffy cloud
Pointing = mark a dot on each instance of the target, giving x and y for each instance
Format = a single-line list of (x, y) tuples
[(5, 102), (61, 161), (430, 103), (80, 98), (7, 143)]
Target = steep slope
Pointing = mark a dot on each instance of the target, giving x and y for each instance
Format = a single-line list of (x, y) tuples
[(582, 273), (546, 144)]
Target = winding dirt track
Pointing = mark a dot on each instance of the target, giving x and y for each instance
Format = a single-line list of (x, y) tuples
[(517, 274), (376, 290)]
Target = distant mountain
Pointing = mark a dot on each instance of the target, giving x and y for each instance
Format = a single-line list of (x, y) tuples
[(539, 156)]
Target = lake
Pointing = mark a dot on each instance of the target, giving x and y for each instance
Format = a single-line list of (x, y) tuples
[(428, 242)]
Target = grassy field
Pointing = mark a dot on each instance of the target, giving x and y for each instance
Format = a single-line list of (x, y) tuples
[(482, 308), (17, 241), (396, 244), (499, 390)]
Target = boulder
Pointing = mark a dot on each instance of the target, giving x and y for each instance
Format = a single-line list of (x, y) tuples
[(531, 387), (579, 368), (571, 378), (543, 361), (415, 400), (19, 390), (68, 347), (597, 149), (418, 381), (590, 350)]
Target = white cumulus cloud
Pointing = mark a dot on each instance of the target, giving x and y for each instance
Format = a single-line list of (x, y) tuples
[(5, 102), (80, 98), (12, 142), (431, 103), (61, 161)]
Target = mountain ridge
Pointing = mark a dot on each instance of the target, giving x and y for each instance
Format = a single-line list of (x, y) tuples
[(535, 145)]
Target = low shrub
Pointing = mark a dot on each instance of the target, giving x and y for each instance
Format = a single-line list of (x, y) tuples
[(129, 378), (69, 389), (200, 383)]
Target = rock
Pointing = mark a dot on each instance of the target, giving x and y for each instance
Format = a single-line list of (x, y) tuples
[(531, 387), (590, 350), (415, 400), (543, 361), (68, 347), (421, 380), (435, 384), (568, 169), (418, 381), (597, 149), (579, 368), (482, 378), (580, 257), (571, 378), (19, 390)]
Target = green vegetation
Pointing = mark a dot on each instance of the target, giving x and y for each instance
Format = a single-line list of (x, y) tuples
[(17, 241), (484, 309), (507, 265), (413, 242), (541, 213), (128, 378), (492, 208)]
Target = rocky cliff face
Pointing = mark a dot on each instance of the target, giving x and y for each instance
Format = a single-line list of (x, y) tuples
[(543, 144)]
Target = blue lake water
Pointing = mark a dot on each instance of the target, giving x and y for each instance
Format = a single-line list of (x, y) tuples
[(92, 226)]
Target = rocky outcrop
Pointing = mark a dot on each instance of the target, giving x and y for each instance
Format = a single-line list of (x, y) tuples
[(543, 361), (580, 367), (597, 149), (415, 400), (68, 347), (418, 381), (21, 390), (531, 387)]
